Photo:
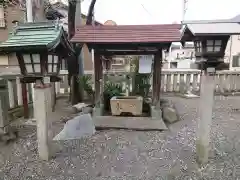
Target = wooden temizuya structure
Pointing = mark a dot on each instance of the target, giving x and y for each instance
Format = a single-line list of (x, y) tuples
[(128, 40)]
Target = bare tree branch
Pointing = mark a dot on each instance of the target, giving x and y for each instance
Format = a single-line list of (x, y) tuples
[(90, 13), (71, 18)]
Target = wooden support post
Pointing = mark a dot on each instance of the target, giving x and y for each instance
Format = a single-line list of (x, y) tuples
[(53, 96), (98, 73), (157, 79), (102, 80), (4, 107), (101, 91), (156, 112), (25, 100), (128, 84), (11, 94), (97, 68), (107, 67), (133, 85), (75, 98), (154, 83), (159, 75), (205, 120), (19, 91)]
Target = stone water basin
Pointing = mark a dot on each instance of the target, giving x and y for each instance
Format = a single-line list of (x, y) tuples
[(126, 104)]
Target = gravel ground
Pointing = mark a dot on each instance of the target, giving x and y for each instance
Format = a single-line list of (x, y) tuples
[(121, 154)]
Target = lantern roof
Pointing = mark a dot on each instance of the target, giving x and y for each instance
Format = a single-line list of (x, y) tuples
[(192, 29), (35, 36)]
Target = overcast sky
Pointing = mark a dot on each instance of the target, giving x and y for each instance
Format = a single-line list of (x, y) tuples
[(161, 11)]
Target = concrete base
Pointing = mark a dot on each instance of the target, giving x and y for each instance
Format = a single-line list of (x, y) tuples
[(202, 152), (133, 123), (4, 105), (4, 130), (98, 111), (156, 114)]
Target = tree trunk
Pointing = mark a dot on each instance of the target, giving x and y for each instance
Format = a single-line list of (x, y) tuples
[(71, 18), (73, 65), (90, 12)]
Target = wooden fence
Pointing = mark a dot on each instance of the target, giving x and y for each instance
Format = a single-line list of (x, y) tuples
[(181, 81), (15, 89), (172, 81)]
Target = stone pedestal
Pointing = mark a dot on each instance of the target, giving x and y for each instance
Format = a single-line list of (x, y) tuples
[(205, 120), (98, 110), (19, 91), (156, 113), (4, 106), (53, 96), (42, 109)]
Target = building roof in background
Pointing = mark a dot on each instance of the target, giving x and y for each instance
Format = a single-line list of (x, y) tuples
[(128, 34)]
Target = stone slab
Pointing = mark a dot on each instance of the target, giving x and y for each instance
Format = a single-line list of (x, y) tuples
[(134, 123), (156, 114), (77, 128)]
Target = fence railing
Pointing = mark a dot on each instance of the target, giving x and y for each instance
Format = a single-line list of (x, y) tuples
[(15, 89), (183, 80), (177, 81)]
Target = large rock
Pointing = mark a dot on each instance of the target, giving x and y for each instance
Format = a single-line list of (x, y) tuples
[(11, 135), (81, 107), (87, 110), (77, 128), (170, 114), (166, 103), (163, 102)]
